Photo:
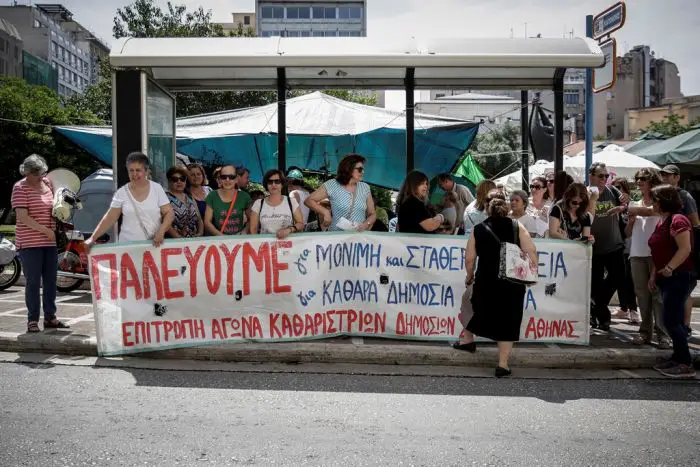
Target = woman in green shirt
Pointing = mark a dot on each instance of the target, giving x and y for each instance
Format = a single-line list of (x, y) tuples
[(227, 206)]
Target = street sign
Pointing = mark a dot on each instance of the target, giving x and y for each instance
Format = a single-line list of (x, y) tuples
[(609, 20), (604, 78)]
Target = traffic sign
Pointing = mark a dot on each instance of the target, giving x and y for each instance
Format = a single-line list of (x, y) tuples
[(605, 77), (610, 20)]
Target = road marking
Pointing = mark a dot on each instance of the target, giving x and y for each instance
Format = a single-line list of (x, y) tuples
[(13, 295), (79, 319), (58, 300)]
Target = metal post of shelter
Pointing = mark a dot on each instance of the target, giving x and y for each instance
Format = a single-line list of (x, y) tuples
[(127, 121), (589, 105), (410, 116), (282, 119), (559, 120), (524, 140)]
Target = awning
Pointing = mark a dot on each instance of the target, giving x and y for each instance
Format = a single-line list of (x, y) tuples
[(368, 63), (321, 129), (681, 149)]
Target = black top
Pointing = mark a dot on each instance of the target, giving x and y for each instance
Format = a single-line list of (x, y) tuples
[(574, 229), (411, 213), (488, 249)]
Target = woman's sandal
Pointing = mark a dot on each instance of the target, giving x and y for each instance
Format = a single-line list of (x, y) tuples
[(55, 324), (470, 347), (33, 326)]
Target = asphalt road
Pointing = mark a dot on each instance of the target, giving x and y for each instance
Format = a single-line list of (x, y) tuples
[(64, 415)]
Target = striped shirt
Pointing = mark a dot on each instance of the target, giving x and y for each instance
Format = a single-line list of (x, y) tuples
[(39, 205), (341, 199)]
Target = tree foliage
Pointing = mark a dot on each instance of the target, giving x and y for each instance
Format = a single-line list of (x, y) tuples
[(23, 102), (497, 150), (671, 125)]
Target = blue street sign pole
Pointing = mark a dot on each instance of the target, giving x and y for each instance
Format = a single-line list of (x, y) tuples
[(589, 106)]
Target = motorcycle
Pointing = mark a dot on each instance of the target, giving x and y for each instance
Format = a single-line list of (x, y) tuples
[(10, 266), (73, 268)]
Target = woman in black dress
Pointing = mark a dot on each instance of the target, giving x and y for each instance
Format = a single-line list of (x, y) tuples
[(414, 215), (497, 303)]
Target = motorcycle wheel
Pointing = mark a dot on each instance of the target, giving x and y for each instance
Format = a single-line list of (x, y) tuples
[(9, 273), (67, 262)]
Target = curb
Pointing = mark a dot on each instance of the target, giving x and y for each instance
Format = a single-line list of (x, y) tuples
[(486, 356)]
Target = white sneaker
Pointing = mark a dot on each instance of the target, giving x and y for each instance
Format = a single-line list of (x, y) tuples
[(621, 314), (635, 317)]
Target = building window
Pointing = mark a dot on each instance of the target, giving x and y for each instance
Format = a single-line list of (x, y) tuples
[(330, 33), (324, 12), (317, 33), (298, 12), (54, 48), (305, 34), (270, 12), (355, 34), (349, 12), (571, 98), (344, 33), (292, 33), (439, 95), (246, 20), (37, 24)]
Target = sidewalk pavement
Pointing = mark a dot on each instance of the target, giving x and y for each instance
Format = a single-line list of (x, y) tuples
[(607, 350)]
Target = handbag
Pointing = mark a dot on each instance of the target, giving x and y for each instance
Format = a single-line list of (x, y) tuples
[(515, 265)]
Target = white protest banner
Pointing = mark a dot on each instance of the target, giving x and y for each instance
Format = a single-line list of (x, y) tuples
[(255, 288)]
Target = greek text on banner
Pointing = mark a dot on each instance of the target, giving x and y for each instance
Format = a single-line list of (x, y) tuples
[(256, 288)]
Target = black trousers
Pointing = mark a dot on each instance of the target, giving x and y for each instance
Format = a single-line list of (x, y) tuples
[(608, 274), (625, 293)]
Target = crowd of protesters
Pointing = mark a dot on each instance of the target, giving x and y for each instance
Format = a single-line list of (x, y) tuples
[(641, 249)]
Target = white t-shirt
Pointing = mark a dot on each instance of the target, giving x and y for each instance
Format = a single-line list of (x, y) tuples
[(274, 218), (149, 212), (530, 224), (303, 194), (641, 231)]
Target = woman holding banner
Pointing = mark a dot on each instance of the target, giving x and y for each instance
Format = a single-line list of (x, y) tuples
[(497, 303), (414, 216), (276, 214), (569, 219), (227, 206), (352, 207), (142, 204), (187, 221)]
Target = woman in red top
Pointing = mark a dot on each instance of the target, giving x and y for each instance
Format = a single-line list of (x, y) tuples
[(32, 200), (671, 245)]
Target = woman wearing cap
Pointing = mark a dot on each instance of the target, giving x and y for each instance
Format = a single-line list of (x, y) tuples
[(352, 207), (187, 221), (142, 204), (32, 200), (298, 191)]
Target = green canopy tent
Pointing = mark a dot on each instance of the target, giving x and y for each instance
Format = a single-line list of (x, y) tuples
[(682, 149), (466, 173)]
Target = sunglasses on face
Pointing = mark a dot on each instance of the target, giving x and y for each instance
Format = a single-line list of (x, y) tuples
[(227, 177), (641, 179), (574, 203), (605, 176), (178, 179), (536, 187), (274, 181), (360, 169)]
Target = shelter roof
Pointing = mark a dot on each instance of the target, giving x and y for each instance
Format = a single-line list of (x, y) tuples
[(348, 62)]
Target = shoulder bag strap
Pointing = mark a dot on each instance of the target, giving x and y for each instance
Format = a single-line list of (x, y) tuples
[(516, 232), (230, 208), (138, 212), (490, 231)]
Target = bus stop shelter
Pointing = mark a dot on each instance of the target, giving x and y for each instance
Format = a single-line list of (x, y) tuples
[(149, 72)]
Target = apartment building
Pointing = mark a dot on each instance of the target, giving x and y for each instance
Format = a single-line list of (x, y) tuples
[(241, 22), (10, 50), (50, 33), (311, 18)]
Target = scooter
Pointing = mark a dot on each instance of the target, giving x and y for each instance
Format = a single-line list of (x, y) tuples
[(73, 268), (10, 266)]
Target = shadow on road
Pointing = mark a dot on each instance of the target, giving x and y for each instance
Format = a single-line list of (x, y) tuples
[(554, 391)]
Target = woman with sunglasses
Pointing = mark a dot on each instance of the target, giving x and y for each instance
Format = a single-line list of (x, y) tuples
[(569, 218), (539, 203), (352, 207), (227, 206), (276, 214), (549, 186), (187, 221), (198, 182), (639, 230), (625, 291)]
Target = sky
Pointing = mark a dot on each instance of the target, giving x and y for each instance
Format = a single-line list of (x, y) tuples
[(669, 27)]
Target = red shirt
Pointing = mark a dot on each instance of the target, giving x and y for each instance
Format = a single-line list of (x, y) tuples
[(663, 243), (39, 206)]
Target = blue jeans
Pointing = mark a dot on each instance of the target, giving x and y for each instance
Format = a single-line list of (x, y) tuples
[(40, 265), (674, 291)]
